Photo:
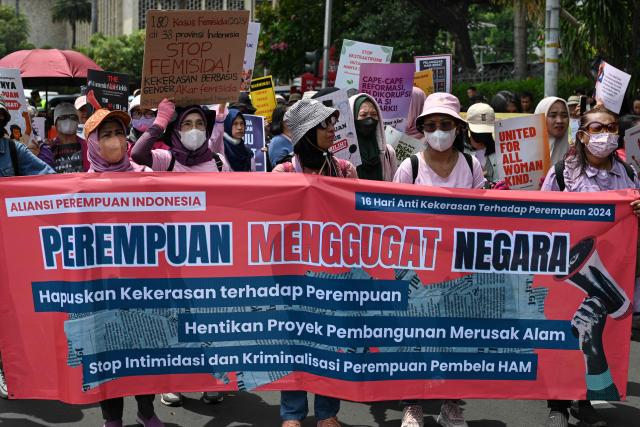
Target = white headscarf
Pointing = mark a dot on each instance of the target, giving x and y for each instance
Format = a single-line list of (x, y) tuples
[(558, 146)]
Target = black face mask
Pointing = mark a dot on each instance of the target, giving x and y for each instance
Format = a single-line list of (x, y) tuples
[(367, 127)]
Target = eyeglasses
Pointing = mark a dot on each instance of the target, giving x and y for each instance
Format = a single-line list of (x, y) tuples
[(597, 127), (187, 125), (148, 114), (330, 121), (432, 125)]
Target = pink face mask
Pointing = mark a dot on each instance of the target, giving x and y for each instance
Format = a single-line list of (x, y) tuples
[(602, 145), (142, 124)]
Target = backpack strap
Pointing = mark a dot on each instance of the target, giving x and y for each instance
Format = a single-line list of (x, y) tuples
[(559, 168), (218, 160), (172, 163), (630, 172), (13, 151), (469, 160), (414, 167)]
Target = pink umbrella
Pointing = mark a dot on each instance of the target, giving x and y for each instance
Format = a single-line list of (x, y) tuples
[(50, 66)]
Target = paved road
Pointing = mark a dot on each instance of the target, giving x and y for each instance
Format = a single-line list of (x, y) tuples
[(245, 409)]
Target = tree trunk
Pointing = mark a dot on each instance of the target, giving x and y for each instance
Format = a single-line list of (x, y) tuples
[(73, 34), (520, 39), (94, 16), (453, 16)]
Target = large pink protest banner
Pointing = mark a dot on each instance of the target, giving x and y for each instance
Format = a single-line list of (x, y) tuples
[(121, 284)]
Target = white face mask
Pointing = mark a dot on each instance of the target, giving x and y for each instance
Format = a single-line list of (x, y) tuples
[(440, 140), (193, 139), (67, 126), (602, 144)]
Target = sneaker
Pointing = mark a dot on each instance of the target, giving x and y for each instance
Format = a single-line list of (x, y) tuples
[(149, 422), (171, 399), (587, 415), (557, 418), (329, 422), (117, 423), (291, 423), (210, 397), (451, 415), (4, 391), (412, 416)]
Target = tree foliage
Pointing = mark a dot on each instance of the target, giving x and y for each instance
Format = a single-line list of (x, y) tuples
[(14, 31), (123, 54), (71, 11), (297, 26)]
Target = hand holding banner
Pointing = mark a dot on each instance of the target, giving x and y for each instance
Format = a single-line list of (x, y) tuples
[(611, 85)]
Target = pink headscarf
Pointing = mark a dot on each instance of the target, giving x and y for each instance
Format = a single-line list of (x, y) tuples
[(417, 101), (98, 164)]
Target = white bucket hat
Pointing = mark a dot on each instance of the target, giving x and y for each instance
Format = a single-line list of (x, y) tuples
[(306, 114)]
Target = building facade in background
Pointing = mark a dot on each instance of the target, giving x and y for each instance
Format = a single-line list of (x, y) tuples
[(115, 17)]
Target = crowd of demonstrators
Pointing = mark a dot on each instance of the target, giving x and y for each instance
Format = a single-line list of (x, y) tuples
[(586, 150)]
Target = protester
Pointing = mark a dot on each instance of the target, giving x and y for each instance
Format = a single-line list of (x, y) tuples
[(69, 150), (417, 101), (141, 120), (312, 127), (591, 166), (526, 102), (481, 119), (378, 157), (280, 100), (243, 104), (557, 116), (187, 135), (15, 160), (34, 142), (293, 98), (82, 105), (35, 100), (573, 104), (239, 156), (504, 102), (280, 147), (635, 106), (626, 122), (472, 93), (107, 152), (441, 164)]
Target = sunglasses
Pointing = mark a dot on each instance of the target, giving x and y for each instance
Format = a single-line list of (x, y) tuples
[(596, 127), (330, 121), (431, 126)]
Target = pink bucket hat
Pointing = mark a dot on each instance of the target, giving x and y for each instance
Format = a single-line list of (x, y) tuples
[(441, 103)]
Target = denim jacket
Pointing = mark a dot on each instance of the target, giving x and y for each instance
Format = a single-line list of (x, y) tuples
[(27, 162)]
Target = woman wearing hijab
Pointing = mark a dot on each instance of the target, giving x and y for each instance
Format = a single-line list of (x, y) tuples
[(378, 158), (312, 134), (187, 136), (105, 133), (141, 120), (557, 113), (417, 101), (240, 156)]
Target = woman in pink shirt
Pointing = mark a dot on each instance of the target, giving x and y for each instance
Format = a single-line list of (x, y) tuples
[(187, 137), (443, 163), (105, 132)]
